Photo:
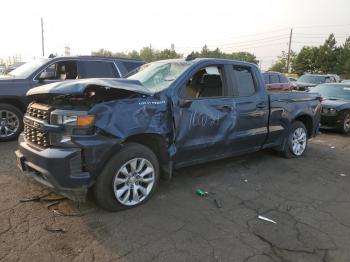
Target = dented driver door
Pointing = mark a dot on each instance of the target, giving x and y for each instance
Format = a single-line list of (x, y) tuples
[(205, 117)]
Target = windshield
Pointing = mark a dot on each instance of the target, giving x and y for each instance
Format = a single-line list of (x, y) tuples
[(312, 79), (27, 69), (158, 76), (333, 91)]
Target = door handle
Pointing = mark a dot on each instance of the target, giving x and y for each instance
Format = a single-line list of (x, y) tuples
[(261, 105)]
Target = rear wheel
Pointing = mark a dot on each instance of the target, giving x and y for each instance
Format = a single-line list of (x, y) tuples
[(129, 178), (344, 125), (296, 142), (11, 122)]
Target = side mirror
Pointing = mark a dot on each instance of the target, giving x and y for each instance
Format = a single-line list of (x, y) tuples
[(184, 102)]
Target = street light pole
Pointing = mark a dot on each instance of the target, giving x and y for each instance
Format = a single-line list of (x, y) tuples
[(289, 49), (42, 36)]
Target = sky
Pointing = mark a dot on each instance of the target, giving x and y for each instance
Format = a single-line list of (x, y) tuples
[(258, 26)]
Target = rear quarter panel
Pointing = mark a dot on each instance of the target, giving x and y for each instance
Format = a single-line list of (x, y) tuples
[(285, 108)]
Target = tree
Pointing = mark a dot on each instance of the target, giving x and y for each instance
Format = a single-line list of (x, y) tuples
[(281, 64), (217, 53), (305, 62)]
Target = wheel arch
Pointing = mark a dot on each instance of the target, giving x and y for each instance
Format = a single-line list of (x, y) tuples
[(14, 102), (307, 121)]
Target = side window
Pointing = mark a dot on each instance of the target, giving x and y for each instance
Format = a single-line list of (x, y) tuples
[(207, 82), (283, 79), (245, 79), (274, 79), (60, 71), (266, 79), (92, 69)]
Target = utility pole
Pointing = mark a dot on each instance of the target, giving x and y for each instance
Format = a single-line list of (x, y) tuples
[(289, 49), (42, 36)]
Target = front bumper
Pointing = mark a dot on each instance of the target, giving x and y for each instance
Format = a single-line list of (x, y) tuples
[(57, 168), (329, 122)]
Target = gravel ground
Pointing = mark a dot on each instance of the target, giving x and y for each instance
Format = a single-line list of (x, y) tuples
[(308, 199)]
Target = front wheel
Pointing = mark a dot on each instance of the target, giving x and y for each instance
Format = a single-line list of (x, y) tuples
[(296, 142), (11, 122), (344, 125), (129, 178)]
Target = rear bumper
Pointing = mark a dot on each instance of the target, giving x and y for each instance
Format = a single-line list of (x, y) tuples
[(57, 168)]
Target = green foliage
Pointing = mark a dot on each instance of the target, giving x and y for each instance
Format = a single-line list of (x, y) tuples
[(216, 53), (326, 58), (147, 54), (281, 64)]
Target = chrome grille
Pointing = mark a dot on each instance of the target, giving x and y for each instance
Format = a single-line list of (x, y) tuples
[(36, 136), (38, 113)]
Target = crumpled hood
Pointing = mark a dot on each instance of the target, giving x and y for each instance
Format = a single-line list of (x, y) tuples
[(334, 103), (77, 87)]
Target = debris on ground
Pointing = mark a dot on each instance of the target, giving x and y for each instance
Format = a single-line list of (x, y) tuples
[(332, 147), (55, 230), (217, 203), (342, 175), (267, 219), (52, 204), (246, 180), (201, 192), (34, 198), (42, 198)]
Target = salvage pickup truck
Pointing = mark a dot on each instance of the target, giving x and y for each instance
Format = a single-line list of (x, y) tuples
[(118, 136)]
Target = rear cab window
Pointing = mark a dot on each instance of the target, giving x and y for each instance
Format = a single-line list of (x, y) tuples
[(94, 69), (246, 84)]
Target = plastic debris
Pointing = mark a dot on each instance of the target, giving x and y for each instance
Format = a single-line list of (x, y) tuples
[(342, 175), (217, 203), (55, 230), (246, 180), (332, 147), (201, 192), (267, 219)]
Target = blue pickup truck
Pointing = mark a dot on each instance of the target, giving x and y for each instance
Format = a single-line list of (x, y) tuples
[(118, 136), (15, 84)]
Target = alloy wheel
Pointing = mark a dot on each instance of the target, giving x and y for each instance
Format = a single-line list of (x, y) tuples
[(134, 181), (9, 123), (299, 141)]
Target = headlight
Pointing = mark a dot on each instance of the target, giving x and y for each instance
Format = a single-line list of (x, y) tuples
[(73, 123), (74, 120), (329, 111)]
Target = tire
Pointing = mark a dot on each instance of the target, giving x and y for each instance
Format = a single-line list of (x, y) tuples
[(292, 139), (112, 181), (344, 126), (11, 122)]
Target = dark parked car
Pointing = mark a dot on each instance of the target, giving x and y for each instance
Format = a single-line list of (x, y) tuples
[(336, 106), (116, 136), (308, 81), (14, 85), (276, 81)]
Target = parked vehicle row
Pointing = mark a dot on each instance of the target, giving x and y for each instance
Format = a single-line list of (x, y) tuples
[(15, 85), (118, 136)]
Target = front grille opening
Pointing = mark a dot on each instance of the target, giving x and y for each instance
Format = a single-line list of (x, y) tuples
[(36, 136), (39, 111)]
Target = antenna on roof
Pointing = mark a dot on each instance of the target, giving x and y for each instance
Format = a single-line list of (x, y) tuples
[(190, 57)]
